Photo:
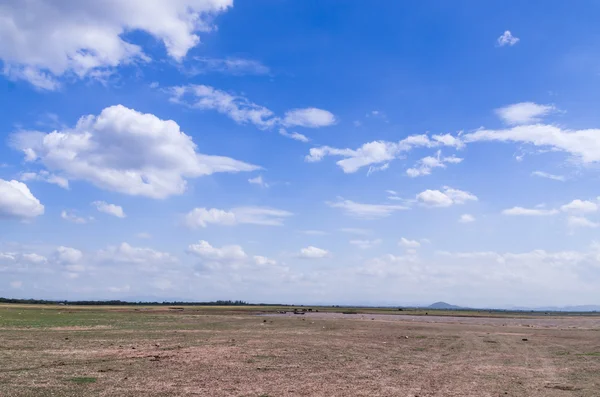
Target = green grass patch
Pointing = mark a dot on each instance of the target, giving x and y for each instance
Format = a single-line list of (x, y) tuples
[(595, 354)]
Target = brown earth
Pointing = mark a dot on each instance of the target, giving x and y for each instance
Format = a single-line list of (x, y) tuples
[(317, 354)]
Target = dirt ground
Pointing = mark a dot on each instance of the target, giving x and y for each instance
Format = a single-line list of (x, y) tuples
[(70, 352)]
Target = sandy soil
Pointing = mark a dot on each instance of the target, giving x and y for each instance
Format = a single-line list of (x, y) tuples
[(564, 322), (316, 354)]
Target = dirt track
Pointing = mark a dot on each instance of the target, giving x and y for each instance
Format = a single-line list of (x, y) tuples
[(311, 355)]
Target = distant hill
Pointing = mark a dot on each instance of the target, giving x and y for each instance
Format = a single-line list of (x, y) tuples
[(581, 308), (443, 305)]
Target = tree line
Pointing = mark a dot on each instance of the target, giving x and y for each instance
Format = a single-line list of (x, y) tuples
[(124, 303)]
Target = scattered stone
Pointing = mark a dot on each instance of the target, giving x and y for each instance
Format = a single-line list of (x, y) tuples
[(524, 339)]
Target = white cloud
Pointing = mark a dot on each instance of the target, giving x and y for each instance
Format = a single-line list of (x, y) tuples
[(366, 244), (580, 206), (368, 211), (450, 196), (584, 145), (356, 231), (264, 261), (580, 221), (466, 218), (293, 135), (314, 232), (427, 164), (379, 151), (311, 252), (406, 243), (233, 66), (520, 211), (260, 215), (34, 258), (47, 39), (258, 181), (70, 216), (542, 174), (125, 253), (45, 176), (17, 201), (111, 209), (202, 217), (524, 113), (374, 168), (243, 111), (507, 39), (204, 250), (309, 118), (125, 151), (238, 108), (68, 255)]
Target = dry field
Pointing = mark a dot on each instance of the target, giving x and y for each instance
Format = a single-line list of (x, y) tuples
[(111, 351)]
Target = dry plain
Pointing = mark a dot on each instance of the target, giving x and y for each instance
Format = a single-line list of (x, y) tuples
[(254, 351)]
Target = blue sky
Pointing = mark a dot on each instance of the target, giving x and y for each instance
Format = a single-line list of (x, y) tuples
[(300, 151)]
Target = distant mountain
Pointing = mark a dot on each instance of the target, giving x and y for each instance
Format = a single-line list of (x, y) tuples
[(581, 308), (443, 305)]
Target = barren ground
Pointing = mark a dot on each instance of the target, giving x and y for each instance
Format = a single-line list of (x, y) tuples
[(68, 351)]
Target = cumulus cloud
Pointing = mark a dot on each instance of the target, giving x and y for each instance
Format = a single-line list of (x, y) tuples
[(520, 211), (71, 216), (406, 243), (507, 39), (264, 261), (308, 118), (204, 250), (232, 66), (17, 201), (68, 255), (230, 257), (46, 39), (243, 111), (580, 206), (293, 135), (366, 244), (125, 151), (202, 217), (466, 218), (580, 221), (368, 211), (311, 252), (524, 113), (427, 164), (546, 175), (445, 198), (111, 209), (258, 181), (125, 253), (45, 176), (379, 151)]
